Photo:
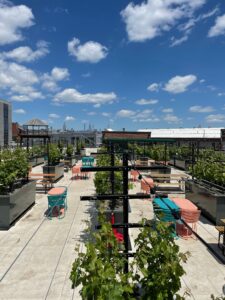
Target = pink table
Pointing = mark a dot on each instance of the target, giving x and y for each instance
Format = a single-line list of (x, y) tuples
[(185, 205), (56, 191), (76, 170)]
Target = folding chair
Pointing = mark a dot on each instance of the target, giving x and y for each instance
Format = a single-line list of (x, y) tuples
[(190, 217), (56, 202)]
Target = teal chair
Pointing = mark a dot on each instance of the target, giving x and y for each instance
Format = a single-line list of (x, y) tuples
[(55, 203), (166, 211), (64, 194), (87, 161)]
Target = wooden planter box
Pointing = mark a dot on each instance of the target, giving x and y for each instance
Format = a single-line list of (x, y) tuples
[(211, 201), (160, 170), (58, 170), (12, 206)]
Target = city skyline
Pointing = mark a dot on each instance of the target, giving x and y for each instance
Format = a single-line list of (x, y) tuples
[(140, 64)]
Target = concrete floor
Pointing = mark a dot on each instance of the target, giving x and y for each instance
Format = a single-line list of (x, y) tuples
[(36, 254)]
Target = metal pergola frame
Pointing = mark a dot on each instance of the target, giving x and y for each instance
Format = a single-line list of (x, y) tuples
[(122, 139)]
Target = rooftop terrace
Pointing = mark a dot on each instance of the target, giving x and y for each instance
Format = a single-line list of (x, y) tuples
[(37, 253)]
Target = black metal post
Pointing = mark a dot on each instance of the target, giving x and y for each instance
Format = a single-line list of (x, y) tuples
[(165, 154), (125, 208), (112, 177), (192, 158), (27, 145), (48, 151)]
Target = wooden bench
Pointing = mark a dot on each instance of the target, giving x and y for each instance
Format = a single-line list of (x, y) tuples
[(168, 176), (220, 233), (45, 180)]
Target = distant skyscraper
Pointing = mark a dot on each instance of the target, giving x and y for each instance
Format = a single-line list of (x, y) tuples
[(5, 123)]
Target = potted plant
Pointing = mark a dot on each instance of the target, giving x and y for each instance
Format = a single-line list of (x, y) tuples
[(17, 193), (54, 166), (69, 158)]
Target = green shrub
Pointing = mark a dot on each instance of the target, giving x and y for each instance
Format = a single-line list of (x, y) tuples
[(13, 167), (69, 150), (156, 266), (54, 155)]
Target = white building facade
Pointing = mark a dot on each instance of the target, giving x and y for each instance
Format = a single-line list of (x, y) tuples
[(5, 123)]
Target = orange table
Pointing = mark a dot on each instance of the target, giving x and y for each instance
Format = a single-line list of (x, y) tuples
[(146, 184), (134, 174)]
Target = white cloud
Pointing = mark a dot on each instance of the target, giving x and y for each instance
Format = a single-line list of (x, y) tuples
[(221, 94), (146, 102), (153, 17), (74, 96), (105, 114), (219, 118), (26, 54), (145, 115), (19, 81), (69, 118), (91, 113), (201, 109), (154, 87), (20, 111), (152, 119), (125, 113), (167, 110), (12, 74), (202, 80), (59, 74), (218, 28), (50, 80), (172, 119), (91, 51), (179, 84), (176, 42), (187, 27), (54, 116), (86, 75), (27, 97), (12, 20)]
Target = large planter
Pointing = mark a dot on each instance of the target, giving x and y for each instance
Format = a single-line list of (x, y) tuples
[(160, 169), (118, 212), (12, 206), (210, 200), (180, 163), (40, 160), (58, 170)]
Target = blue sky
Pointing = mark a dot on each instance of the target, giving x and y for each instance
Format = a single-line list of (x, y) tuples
[(118, 64)]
